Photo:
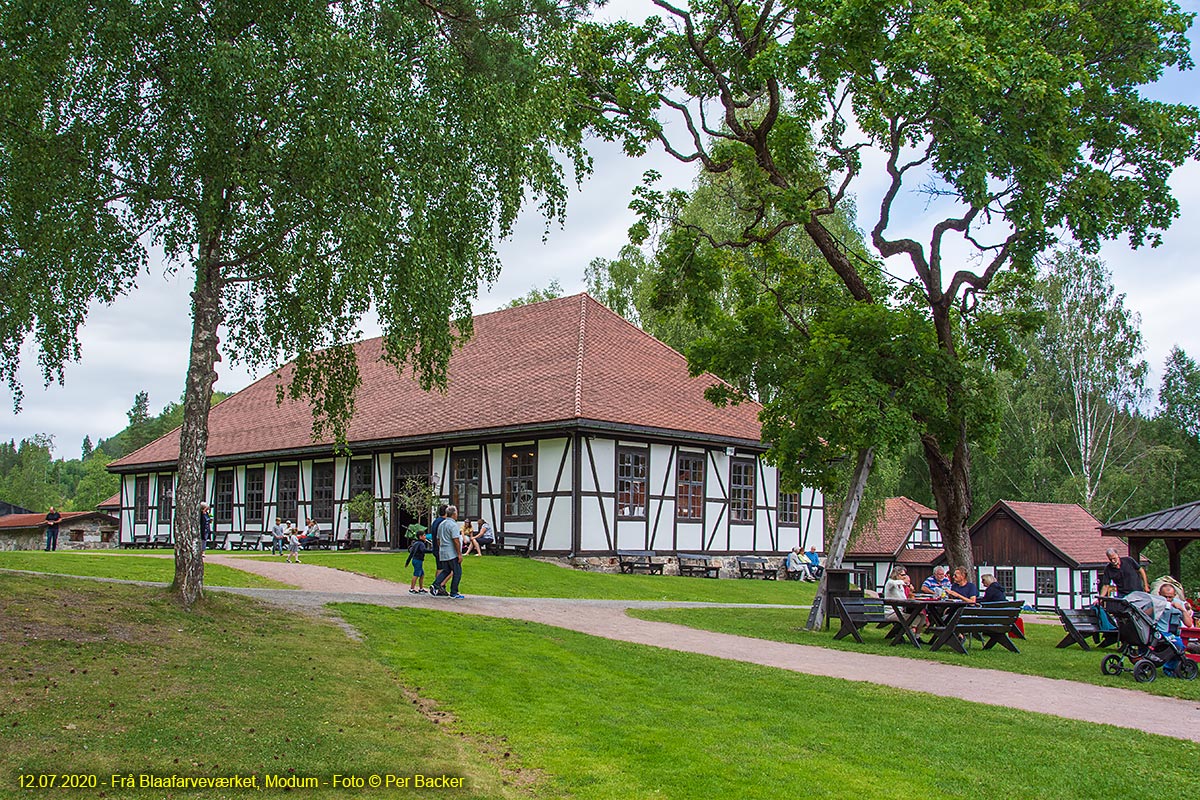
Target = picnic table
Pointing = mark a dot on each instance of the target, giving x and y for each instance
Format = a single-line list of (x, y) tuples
[(907, 610), (1190, 635)]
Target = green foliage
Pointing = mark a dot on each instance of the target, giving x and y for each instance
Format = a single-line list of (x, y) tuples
[(27, 474), (312, 161), (1180, 393), (535, 295)]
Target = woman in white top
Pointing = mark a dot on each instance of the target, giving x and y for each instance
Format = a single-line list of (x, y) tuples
[(899, 587)]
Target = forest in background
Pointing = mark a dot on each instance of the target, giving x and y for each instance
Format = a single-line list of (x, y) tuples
[(31, 477)]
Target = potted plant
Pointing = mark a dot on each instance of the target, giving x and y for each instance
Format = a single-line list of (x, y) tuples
[(417, 497), (362, 509)]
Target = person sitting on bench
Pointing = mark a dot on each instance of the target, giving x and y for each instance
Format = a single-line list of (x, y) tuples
[(797, 565), (814, 561)]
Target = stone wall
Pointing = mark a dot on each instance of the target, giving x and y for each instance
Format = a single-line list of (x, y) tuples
[(94, 533)]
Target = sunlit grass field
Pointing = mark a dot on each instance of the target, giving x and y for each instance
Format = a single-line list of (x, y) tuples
[(110, 564)]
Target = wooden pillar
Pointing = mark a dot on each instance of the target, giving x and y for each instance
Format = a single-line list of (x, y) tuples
[(1174, 546), (1136, 546)]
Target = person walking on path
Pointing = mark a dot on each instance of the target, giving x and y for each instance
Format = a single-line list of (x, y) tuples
[(449, 545), (293, 545), (416, 557), (52, 518)]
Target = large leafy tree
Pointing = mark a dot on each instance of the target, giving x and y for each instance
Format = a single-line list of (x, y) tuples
[(1019, 120), (305, 161)]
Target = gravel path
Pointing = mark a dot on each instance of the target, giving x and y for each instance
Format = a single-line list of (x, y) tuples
[(1124, 707)]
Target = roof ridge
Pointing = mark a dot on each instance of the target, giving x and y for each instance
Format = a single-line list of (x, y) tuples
[(583, 298)]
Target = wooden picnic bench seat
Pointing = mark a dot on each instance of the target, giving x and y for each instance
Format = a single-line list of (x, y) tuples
[(1082, 624), (698, 565), (631, 561), (992, 623), (757, 567), (520, 542), (856, 613)]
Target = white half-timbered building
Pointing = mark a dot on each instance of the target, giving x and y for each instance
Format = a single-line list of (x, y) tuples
[(561, 419)]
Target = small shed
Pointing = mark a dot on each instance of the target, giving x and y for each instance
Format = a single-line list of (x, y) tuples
[(77, 530), (1047, 554), (1177, 527), (904, 534)]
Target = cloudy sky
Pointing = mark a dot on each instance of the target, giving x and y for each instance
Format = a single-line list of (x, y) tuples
[(140, 342)]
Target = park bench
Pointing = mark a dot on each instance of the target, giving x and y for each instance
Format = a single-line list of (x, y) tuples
[(698, 565), (1082, 624), (520, 542), (161, 539), (247, 541), (324, 541), (757, 567), (992, 623), (137, 540), (347, 542), (856, 613), (218, 540), (631, 561)]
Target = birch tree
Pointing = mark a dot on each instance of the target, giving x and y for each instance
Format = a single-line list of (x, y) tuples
[(304, 161)]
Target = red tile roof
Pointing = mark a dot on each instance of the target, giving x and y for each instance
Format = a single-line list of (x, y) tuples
[(919, 555), (559, 361), (888, 533), (112, 502), (39, 520), (1066, 527)]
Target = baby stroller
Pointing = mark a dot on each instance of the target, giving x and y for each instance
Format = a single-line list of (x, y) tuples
[(1142, 644)]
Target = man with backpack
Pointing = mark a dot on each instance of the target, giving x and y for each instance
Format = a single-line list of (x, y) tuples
[(448, 540)]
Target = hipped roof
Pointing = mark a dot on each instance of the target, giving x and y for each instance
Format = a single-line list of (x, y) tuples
[(568, 361)]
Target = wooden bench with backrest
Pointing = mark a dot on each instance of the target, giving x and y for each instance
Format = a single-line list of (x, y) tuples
[(991, 623), (137, 540), (520, 542), (218, 539), (1082, 624), (324, 541), (161, 539), (248, 540), (856, 613), (757, 567), (347, 541), (631, 561), (698, 565)]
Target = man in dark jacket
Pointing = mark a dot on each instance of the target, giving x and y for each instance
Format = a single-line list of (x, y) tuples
[(52, 519)]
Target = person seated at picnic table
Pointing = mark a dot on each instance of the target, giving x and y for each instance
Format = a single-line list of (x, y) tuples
[(993, 592), (936, 584), (470, 539), (961, 588), (798, 565), (899, 587), (814, 561)]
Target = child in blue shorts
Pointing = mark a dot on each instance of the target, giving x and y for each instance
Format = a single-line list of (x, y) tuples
[(416, 556)]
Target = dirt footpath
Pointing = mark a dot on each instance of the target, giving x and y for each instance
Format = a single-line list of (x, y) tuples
[(607, 618)]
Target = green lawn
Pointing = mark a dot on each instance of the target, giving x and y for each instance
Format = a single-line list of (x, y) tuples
[(610, 720), (1038, 655), (100, 564), (510, 576), (102, 678)]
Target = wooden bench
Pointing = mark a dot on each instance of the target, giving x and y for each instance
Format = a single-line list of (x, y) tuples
[(992, 623), (520, 542), (324, 541), (757, 567), (631, 561), (1082, 624), (248, 541), (347, 542), (697, 565), (218, 540), (137, 540), (857, 613), (161, 539)]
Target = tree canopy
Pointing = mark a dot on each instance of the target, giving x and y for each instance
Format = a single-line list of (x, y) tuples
[(308, 161), (1021, 122)]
